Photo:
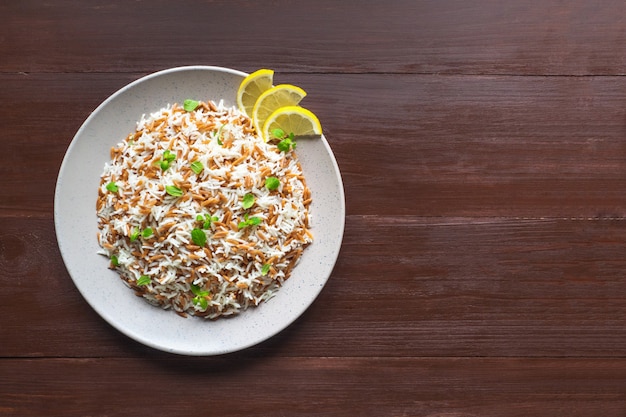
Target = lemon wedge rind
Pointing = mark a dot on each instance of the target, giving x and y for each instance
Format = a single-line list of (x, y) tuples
[(272, 99), (292, 119), (252, 87)]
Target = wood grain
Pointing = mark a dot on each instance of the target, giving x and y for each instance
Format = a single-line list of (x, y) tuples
[(325, 386), (433, 37), (403, 286), (482, 149), (428, 146)]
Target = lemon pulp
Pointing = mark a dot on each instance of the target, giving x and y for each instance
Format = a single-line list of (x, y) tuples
[(252, 87), (272, 99), (292, 119)]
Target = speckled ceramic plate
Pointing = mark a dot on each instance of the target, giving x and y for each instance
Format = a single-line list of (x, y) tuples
[(76, 223)]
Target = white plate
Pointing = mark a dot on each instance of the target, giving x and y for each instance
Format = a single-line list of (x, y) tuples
[(76, 223)]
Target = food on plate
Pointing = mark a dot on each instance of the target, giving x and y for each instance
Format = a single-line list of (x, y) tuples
[(200, 215)]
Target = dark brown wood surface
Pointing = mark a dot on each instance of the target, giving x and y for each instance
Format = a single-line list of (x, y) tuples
[(483, 151)]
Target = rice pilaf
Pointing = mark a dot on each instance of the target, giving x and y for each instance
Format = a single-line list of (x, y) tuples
[(183, 175)]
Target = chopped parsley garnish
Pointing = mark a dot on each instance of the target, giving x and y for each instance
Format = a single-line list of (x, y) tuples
[(199, 237), (201, 296), (219, 134), (134, 234), (168, 158), (247, 201), (287, 141), (197, 167), (112, 186), (115, 261), (286, 144), (190, 105), (144, 280), (206, 220), (278, 133), (249, 221), (173, 190), (272, 183), (265, 269)]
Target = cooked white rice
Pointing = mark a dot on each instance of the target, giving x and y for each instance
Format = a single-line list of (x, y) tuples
[(238, 267)]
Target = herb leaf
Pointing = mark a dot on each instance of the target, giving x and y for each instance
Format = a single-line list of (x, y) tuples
[(199, 237), (115, 261), (134, 234), (169, 156), (197, 291), (173, 191), (201, 301), (147, 232), (248, 201), (197, 167), (190, 105), (144, 280), (206, 220), (200, 298), (286, 144), (278, 133), (218, 135), (112, 186), (272, 183), (249, 221), (265, 269), (283, 146)]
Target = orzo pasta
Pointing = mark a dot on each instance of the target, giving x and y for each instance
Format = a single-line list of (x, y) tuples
[(198, 214)]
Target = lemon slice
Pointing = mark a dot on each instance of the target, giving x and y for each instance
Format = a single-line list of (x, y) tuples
[(252, 87), (270, 100), (292, 119)]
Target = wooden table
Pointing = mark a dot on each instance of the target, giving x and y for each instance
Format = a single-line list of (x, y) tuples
[(483, 151)]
